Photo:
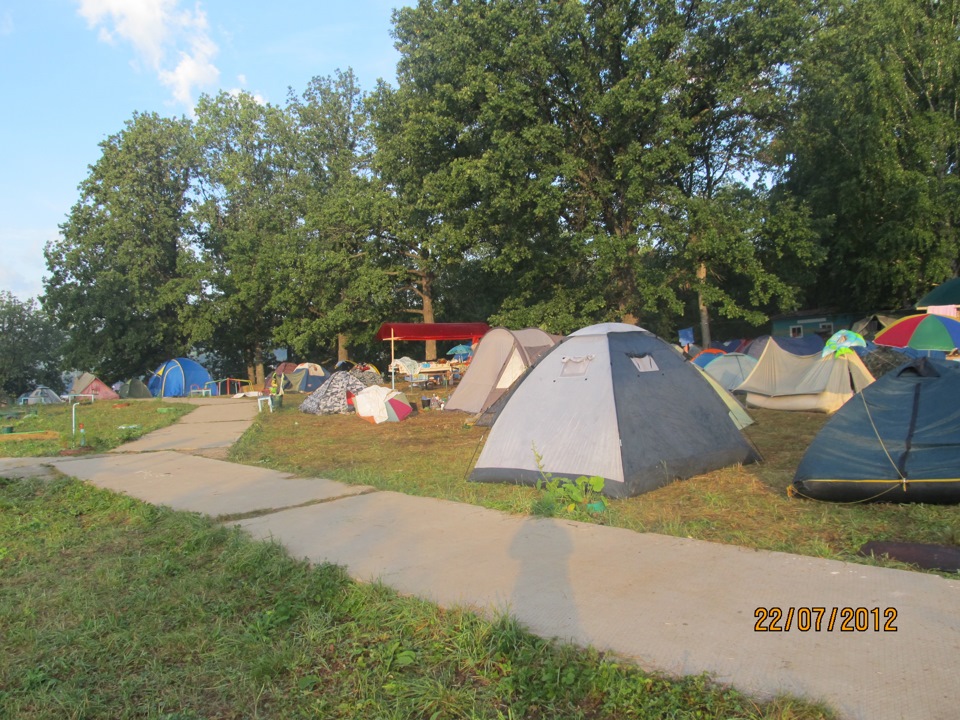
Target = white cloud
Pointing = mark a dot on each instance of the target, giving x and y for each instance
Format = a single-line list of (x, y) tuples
[(175, 43), (195, 69)]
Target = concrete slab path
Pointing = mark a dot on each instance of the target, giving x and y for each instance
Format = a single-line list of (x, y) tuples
[(672, 604), (676, 605), (198, 484), (216, 423)]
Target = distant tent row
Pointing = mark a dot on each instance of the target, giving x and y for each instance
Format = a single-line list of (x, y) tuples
[(806, 345), (303, 378)]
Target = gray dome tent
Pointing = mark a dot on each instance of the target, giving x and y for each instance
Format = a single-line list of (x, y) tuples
[(731, 370), (616, 401), (500, 358), (41, 395)]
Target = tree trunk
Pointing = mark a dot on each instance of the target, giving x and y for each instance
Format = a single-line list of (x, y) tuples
[(252, 374), (343, 347), (704, 311), (428, 317)]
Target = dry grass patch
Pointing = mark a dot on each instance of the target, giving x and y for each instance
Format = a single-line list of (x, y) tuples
[(430, 453)]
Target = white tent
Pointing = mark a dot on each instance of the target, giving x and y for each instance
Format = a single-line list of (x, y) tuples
[(501, 357), (784, 381)]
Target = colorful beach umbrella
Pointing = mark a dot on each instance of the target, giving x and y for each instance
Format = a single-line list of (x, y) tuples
[(460, 352), (921, 332), (398, 407), (841, 342)]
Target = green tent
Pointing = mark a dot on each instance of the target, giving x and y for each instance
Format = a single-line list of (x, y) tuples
[(134, 389)]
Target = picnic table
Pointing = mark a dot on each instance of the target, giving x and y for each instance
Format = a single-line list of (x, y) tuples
[(442, 372)]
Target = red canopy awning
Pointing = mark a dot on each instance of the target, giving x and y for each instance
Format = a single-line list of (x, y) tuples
[(432, 331)]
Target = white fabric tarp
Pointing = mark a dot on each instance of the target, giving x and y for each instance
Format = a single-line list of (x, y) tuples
[(371, 402), (784, 381)]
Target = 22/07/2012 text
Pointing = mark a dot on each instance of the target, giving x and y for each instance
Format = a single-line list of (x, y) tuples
[(818, 619)]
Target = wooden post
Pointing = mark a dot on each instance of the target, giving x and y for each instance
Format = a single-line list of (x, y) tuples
[(393, 374)]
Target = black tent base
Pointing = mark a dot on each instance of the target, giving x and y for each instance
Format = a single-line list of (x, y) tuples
[(931, 492)]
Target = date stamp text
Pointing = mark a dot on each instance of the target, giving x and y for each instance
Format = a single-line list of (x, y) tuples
[(825, 619)]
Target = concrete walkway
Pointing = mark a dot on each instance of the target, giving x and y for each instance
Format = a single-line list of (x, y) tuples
[(211, 429), (676, 605)]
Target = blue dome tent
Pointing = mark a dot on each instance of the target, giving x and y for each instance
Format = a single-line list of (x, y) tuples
[(177, 377), (897, 441)]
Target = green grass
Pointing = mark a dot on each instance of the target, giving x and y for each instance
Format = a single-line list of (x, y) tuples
[(107, 424), (431, 453), (111, 608)]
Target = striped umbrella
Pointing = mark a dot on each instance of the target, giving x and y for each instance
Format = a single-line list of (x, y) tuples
[(921, 332)]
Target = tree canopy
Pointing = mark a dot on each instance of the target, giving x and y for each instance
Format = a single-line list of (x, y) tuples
[(874, 148), (536, 163), (120, 274), (29, 347)]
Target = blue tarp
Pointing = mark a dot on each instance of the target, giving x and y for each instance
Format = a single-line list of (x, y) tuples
[(728, 346)]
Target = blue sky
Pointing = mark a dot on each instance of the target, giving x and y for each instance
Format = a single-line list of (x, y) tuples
[(73, 71)]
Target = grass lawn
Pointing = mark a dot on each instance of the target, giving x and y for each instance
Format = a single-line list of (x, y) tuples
[(432, 452), (111, 608), (107, 424)]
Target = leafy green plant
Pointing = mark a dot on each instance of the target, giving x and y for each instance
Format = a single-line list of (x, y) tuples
[(572, 495), (581, 494)]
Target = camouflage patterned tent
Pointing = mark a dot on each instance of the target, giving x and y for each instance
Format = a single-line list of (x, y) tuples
[(332, 397), (368, 377)]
